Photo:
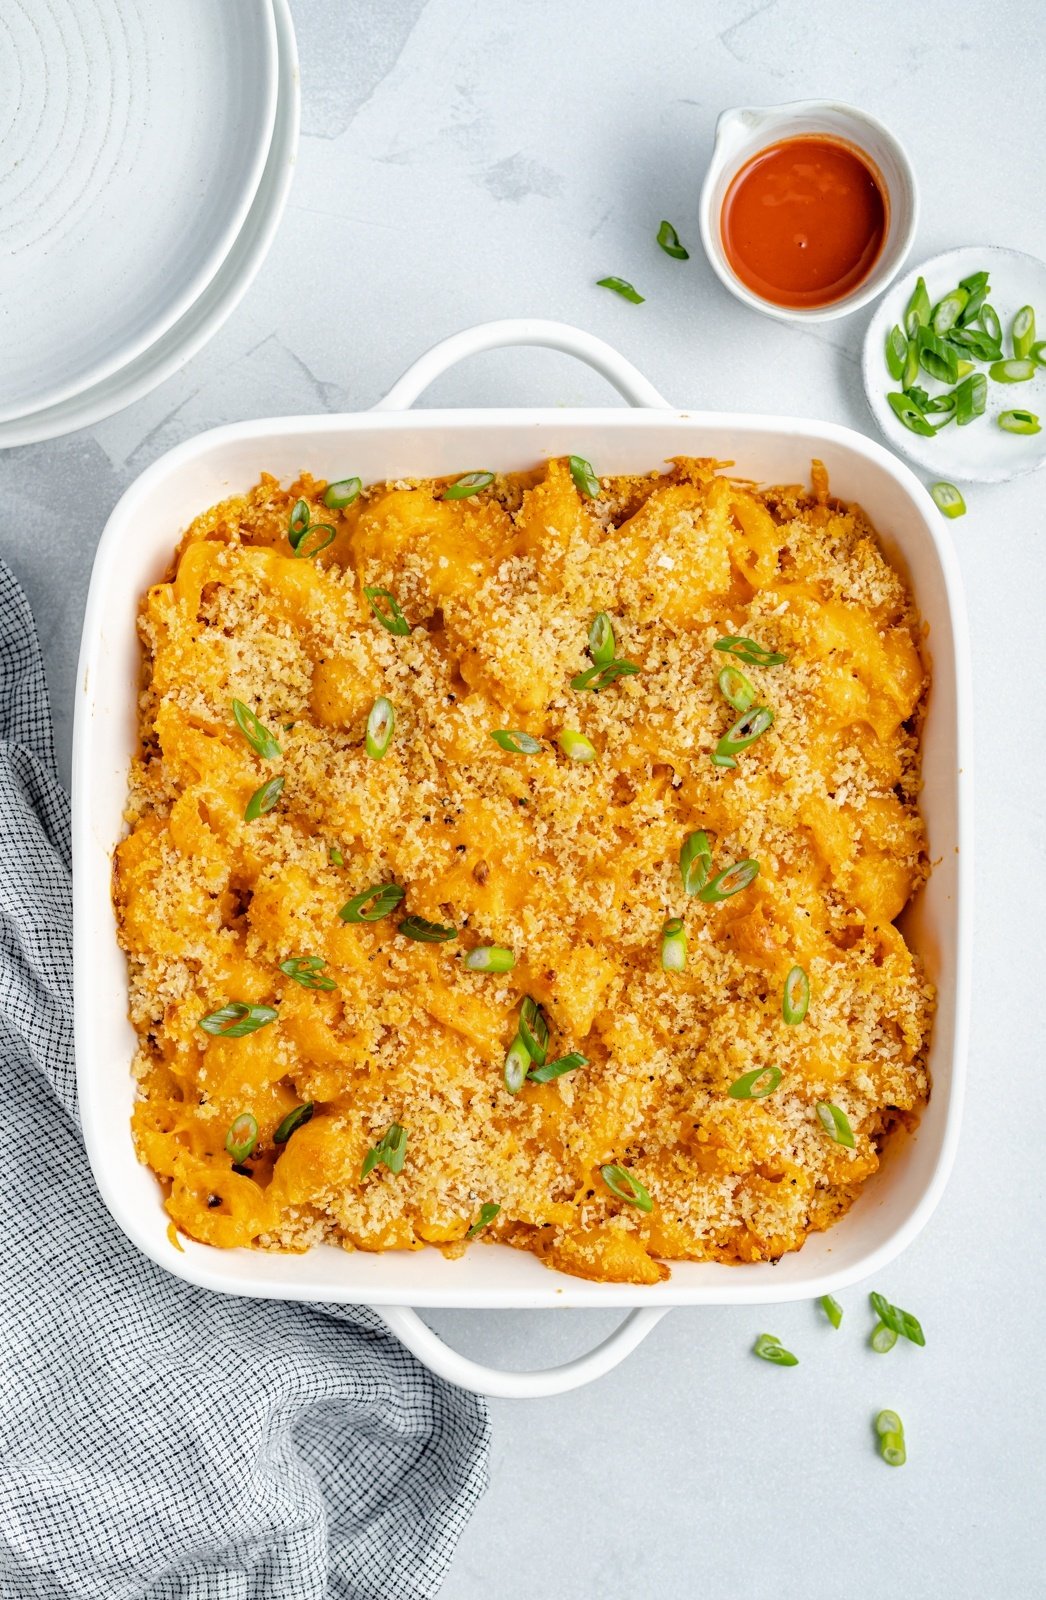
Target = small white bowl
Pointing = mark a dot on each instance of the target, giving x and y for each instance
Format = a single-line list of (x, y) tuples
[(742, 132)]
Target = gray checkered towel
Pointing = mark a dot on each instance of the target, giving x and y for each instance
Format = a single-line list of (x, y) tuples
[(157, 1440)]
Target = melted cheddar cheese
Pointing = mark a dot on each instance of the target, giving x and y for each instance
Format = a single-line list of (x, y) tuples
[(572, 866)]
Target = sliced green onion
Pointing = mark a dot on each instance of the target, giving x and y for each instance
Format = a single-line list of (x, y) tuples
[(621, 286), (1018, 422), (298, 523), (976, 286), (832, 1310), (308, 971), (263, 799), (947, 312), (835, 1123), (490, 958), (487, 1213), (306, 547), (517, 1065), (729, 882), (373, 904), (946, 402), (335, 857), (901, 1322), (906, 411), (745, 731), (668, 239), (515, 741), (911, 366), (736, 689), (1022, 332), (722, 761), (343, 493), (673, 945), (888, 1422), (601, 642), (896, 353), (991, 324), (892, 1449), (556, 1069), (470, 483), (756, 655), (236, 1019), (695, 861), (975, 342), (293, 1121), (962, 368), (390, 1151), (256, 734), (393, 621), (948, 500), (795, 997), (597, 677), (626, 1186), (575, 745), (1038, 352), (1012, 371), (533, 1030), (425, 932), (918, 397), (380, 723), (936, 356), (768, 1346), (751, 1085), (585, 480), (242, 1136), (917, 311), (883, 1338), (971, 397)]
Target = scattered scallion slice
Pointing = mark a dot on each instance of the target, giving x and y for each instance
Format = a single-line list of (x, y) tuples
[(894, 1317), (976, 342), (424, 932), (756, 655), (533, 1030), (947, 311), (937, 356), (795, 996), (907, 412), (264, 799), (335, 857), (626, 1186), (621, 286), (1038, 352), (938, 403), (755, 1085), (893, 1450), (298, 522), (888, 1422), (307, 545), (976, 286), (341, 494), (380, 723), (835, 1123), (515, 741), (585, 480), (745, 731), (236, 1019), (947, 499), (256, 734), (490, 958), (390, 1151), (990, 323), (695, 861), (768, 1346), (597, 677), (293, 1121), (832, 1310), (673, 945), (575, 745), (883, 1338), (517, 1065), (242, 1136), (392, 620), (1019, 422), (668, 239), (557, 1068), (372, 904), (1022, 332), (722, 761), (917, 311), (1012, 371), (487, 1213), (601, 642), (308, 971), (729, 882), (737, 690), (470, 483), (896, 353), (971, 397)]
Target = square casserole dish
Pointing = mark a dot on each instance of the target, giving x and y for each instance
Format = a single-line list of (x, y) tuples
[(389, 442)]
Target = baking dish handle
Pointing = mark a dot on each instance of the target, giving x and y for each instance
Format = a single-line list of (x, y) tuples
[(627, 379), (472, 1375)]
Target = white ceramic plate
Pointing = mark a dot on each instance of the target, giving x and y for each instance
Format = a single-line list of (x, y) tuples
[(221, 296), (981, 452), (134, 137)]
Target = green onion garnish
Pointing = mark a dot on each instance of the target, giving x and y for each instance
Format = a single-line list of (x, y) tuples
[(390, 1150), (1018, 422), (517, 1065), (335, 857), (470, 483), (343, 493), (745, 731), (575, 745), (835, 1123), (668, 239), (307, 547), (487, 1213), (300, 518), (971, 397), (373, 904), (601, 642), (947, 312), (938, 357), (533, 1030), (755, 1085), (722, 761), (293, 1121), (736, 689), (622, 287), (888, 1422), (768, 1346), (242, 1136), (308, 971), (1038, 352), (991, 324), (490, 958), (901, 1322), (976, 286), (393, 621), (235, 1019), (380, 723), (729, 882), (556, 1069), (883, 1338), (515, 741), (597, 677), (795, 996), (832, 1310), (626, 1186), (1022, 332), (263, 799), (917, 312), (756, 655), (948, 500), (896, 353), (892, 1449), (1012, 371), (585, 480), (256, 734), (673, 945), (975, 342), (425, 932), (906, 411), (695, 861), (939, 403)]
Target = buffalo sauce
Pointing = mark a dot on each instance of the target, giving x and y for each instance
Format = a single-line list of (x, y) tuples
[(804, 221)]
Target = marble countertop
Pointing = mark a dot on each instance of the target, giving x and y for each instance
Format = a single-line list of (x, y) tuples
[(461, 162)]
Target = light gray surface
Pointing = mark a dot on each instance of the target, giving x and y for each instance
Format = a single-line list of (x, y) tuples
[(464, 161)]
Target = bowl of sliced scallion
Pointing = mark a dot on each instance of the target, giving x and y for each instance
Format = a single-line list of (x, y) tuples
[(955, 364)]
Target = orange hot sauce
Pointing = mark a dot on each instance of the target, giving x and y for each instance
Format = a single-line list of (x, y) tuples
[(804, 220)]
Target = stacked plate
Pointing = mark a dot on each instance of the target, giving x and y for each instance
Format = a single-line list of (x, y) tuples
[(145, 156)]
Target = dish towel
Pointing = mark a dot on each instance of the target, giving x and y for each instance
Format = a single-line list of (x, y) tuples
[(158, 1442)]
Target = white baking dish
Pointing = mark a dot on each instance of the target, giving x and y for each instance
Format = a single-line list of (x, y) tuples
[(388, 442)]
